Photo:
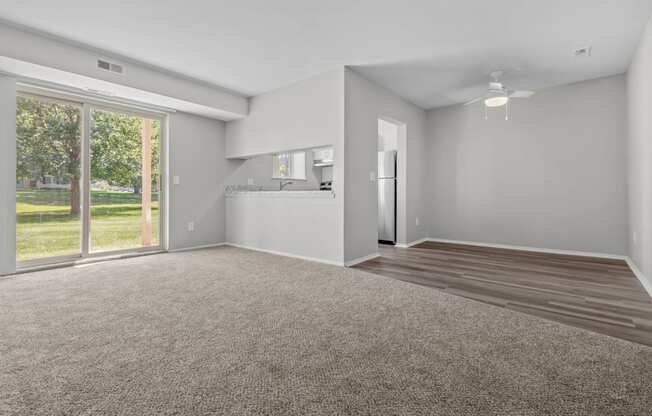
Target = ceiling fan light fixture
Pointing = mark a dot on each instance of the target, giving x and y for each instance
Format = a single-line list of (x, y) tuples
[(496, 101)]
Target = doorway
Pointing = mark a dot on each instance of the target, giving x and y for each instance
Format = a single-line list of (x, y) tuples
[(88, 179), (391, 181)]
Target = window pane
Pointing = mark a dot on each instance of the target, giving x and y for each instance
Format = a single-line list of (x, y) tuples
[(48, 169), (289, 165), (282, 166), (125, 182)]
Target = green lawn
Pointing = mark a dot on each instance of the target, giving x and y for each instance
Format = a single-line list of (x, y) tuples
[(45, 228)]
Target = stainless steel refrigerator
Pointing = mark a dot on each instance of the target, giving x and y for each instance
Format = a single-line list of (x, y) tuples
[(387, 197)]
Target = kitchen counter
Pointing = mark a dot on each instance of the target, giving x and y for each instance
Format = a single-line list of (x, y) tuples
[(297, 223), (281, 194)]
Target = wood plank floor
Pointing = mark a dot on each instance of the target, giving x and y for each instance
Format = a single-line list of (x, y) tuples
[(600, 295)]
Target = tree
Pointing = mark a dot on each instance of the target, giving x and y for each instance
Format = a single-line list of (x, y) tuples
[(49, 143), (48, 139), (117, 149)]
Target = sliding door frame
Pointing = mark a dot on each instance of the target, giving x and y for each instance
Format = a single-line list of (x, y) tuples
[(86, 106), (162, 119)]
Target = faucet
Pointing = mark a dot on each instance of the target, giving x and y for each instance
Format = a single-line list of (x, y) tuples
[(283, 184)]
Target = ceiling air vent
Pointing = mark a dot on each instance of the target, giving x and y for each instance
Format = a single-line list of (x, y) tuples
[(110, 66), (581, 52)]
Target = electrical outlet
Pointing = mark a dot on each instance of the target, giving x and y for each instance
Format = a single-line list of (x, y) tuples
[(417, 221), (176, 180), (191, 226)]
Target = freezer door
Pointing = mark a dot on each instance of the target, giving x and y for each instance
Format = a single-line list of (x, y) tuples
[(386, 210), (387, 164)]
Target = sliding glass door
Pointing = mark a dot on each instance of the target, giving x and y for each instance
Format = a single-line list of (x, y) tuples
[(88, 180), (125, 156), (48, 178)]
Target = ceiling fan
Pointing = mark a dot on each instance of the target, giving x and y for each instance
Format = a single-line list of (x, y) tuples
[(498, 94)]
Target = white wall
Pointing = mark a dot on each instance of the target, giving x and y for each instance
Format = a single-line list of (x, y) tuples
[(553, 176), (366, 102), (197, 157), (322, 111), (639, 91), (7, 175), (306, 114), (298, 226)]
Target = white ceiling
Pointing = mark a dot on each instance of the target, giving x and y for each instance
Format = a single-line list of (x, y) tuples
[(432, 52)]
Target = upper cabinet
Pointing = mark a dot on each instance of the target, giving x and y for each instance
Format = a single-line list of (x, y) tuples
[(323, 156)]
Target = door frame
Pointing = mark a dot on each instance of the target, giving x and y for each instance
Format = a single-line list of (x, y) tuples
[(401, 178), (86, 104)]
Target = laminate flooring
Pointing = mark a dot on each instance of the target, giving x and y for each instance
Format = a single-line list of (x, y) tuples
[(597, 294)]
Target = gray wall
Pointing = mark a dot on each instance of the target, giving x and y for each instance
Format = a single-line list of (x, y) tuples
[(197, 157), (78, 59), (366, 102), (639, 88), (554, 176)]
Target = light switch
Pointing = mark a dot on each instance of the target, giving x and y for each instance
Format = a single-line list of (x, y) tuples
[(372, 176), (250, 181), (191, 226), (176, 180)]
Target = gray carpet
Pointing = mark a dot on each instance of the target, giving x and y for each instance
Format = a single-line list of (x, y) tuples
[(234, 332)]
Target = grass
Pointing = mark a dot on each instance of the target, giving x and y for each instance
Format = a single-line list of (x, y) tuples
[(45, 227)]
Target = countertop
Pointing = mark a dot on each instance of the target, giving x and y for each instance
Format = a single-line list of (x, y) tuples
[(281, 194)]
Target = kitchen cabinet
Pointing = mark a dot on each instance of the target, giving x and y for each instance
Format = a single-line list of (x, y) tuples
[(323, 156)]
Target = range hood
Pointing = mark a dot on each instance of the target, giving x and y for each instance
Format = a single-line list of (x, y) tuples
[(323, 157), (323, 162)]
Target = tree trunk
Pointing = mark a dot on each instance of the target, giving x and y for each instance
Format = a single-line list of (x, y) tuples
[(75, 196)]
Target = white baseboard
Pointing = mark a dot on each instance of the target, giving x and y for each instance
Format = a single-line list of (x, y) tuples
[(361, 259), (281, 253), (647, 284), (534, 249), (413, 243), (178, 250)]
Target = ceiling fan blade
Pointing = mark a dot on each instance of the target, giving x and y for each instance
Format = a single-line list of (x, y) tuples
[(521, 94), (475, 100)]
